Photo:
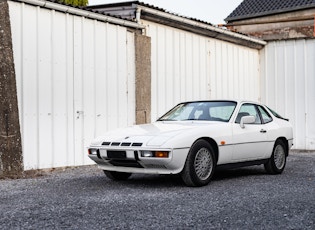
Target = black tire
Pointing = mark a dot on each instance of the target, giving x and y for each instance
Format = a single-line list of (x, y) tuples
[(117, 175), (278, 159), (200, 164)]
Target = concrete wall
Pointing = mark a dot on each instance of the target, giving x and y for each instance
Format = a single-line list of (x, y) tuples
[(11, 162), (143, 79)]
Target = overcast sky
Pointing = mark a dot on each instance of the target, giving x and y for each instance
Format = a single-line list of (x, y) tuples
[(207, 10)]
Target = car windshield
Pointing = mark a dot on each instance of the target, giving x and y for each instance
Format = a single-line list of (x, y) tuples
[(201, 110)]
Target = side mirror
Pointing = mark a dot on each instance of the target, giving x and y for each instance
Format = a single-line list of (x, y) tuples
[(247, 120)]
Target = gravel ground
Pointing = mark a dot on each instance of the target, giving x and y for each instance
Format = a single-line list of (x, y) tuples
[(83, 198)]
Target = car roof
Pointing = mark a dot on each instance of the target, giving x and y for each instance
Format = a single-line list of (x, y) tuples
[(238, 101)]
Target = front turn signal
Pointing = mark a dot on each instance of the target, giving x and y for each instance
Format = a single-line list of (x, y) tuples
[(161, 154)]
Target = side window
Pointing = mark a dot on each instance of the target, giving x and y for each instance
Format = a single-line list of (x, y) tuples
[(248, 110), (264, 114)]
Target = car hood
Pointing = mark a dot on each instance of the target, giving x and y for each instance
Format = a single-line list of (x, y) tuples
[(155, 134)]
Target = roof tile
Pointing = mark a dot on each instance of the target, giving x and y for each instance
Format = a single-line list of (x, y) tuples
[(257, 8)]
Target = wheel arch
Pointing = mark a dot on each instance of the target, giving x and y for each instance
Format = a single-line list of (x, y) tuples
[(214, 145), (286, 144)]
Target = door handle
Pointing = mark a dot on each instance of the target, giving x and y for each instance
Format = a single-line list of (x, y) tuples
[(263, 131)]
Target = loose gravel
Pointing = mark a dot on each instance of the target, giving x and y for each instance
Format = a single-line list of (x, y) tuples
[(83, 198)]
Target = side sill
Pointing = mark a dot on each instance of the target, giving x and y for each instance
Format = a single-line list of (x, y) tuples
[(242, 164)]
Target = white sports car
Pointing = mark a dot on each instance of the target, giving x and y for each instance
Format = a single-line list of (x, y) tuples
[(194, 138)]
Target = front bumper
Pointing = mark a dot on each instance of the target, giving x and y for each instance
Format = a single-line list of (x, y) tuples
[(130, 160)]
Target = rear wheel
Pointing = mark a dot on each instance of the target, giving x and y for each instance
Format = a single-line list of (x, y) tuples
[(117, 175), (200, 164), (277, 161)]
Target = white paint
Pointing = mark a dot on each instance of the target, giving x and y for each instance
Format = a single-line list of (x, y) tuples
[(187, 66), (75, 80), (287, 85)]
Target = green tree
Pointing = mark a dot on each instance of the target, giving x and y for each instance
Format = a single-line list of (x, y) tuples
[(76, 2)]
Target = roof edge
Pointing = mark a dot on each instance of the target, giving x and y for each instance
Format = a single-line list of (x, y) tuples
[(221, 34), (80, 11)]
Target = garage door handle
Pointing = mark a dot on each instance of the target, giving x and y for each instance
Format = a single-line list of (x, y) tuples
[(263, 131)]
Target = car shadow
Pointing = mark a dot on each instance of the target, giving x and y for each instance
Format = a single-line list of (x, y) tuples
[(157, 181), (224, 174), (166, 181)]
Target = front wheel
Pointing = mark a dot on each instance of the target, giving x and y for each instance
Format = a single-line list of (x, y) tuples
[(117, 175), (200, 164), (277, 161)]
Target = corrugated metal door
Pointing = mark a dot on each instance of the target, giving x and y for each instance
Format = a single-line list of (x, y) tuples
[(75, 80), (188, 66), (104, 85), (288, 81)]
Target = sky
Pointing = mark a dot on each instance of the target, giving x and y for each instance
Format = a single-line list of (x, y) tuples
[(206, 10)]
